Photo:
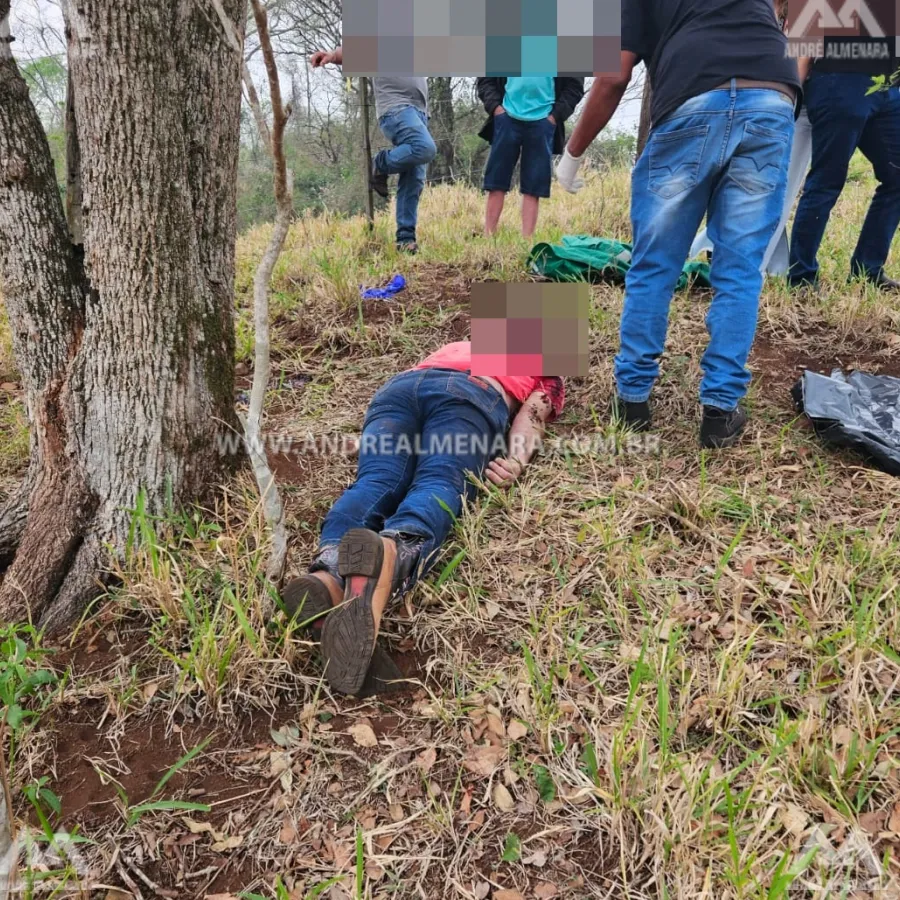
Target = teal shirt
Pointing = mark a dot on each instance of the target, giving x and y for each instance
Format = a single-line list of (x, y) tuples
[(529, 99)]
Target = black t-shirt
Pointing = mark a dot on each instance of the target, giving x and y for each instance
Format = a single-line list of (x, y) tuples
[(693, 46)]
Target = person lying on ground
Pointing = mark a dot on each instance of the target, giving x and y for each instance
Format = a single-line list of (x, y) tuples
[(722, 124), (401, 106), (425, 433), (526, 121)]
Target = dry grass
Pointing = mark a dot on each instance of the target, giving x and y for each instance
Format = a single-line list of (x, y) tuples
[(671, 675)]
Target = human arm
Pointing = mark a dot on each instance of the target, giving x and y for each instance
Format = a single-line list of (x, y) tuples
[(804, 64), (525, 436), (603, 100), (324, 58), (491, 92)]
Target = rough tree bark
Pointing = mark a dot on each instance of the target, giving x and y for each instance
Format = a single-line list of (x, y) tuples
[(443, 127), (127, 361)]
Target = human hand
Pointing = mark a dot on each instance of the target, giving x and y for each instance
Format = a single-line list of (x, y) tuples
[(503, 472), (499, 111), (321, 58), (567, 172), (551, 118)]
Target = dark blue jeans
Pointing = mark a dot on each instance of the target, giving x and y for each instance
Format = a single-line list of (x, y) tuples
[(423, 432), (844, 118), (407, 129)]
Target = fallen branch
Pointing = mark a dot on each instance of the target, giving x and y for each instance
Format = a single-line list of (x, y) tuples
[(273, 508)]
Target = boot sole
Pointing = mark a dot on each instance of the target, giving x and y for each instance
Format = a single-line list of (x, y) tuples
[(306, 598), (348, 638)]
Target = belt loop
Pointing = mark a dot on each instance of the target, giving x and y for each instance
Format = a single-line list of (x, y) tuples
[(733, 89)]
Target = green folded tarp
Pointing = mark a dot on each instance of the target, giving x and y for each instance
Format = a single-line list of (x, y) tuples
[(582, 258)]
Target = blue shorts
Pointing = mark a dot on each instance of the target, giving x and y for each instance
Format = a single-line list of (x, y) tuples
[(533, 141)]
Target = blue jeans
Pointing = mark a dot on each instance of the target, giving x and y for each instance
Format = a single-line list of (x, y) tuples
[(723, 154), (423, 432), (533, 142), (844, 118), (407, 129)]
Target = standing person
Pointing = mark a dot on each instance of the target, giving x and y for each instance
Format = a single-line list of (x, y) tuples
[(527, 119), (777, 257), (724, 91), (844, 116), (401, 105)]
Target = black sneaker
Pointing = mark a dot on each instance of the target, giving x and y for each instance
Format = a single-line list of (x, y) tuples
[(721, 428), (379, 182), (880, 281), (633, 416), (410, 247)]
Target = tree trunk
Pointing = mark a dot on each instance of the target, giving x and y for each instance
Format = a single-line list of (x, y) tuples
[(443, 128), (367, 152), (127, 360), (644, 124)]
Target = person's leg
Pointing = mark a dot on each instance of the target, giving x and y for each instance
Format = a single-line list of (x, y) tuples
[(464, 419), (385, 468), (530, 208), (880, 142), (505, 148), (457, 435), (744, 212), (671, 186), (409, 191), (838, 110), (496, 200), (414, 148), (536, 172)]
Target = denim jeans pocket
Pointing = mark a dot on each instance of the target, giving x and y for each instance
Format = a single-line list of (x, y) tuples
[(675, 158), (760, 159), (479, 393)]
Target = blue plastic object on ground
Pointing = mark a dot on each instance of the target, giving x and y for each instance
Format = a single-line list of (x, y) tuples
[(396, 284)]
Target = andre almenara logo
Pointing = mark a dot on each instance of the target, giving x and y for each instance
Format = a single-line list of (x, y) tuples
[(827, 27)]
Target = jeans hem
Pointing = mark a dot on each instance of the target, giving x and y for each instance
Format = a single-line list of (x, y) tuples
[(633, 398), (726, 406)]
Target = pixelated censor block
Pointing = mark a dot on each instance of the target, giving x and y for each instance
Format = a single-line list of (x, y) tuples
[(530, 329), (494, 38), (843, 30)]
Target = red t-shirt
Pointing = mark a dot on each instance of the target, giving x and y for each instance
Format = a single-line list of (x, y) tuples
[(458, 356)]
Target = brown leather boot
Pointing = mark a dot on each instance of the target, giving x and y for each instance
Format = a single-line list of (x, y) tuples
[(366, 562), (310, 598)]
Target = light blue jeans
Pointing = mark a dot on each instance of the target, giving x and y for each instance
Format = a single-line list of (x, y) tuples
[(407, 129), (723, 154), (777, 260)]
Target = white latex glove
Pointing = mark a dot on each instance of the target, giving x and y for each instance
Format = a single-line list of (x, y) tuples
[(567, 172)]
